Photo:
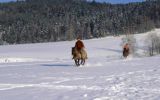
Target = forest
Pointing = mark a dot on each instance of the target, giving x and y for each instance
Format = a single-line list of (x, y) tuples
[(35, 21)]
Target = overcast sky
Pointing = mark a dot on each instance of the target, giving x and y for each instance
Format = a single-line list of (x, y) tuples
[(111, 1)]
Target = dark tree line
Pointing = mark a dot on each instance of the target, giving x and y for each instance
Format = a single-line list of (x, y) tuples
[(33, 21)]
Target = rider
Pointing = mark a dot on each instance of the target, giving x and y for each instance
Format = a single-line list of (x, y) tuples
[(126, 46), (79, 44)]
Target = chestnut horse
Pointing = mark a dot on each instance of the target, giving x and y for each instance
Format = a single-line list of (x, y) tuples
[(125, 52)]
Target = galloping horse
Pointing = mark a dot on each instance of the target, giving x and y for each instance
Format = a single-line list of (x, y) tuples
[(125, 52), (79, 56)]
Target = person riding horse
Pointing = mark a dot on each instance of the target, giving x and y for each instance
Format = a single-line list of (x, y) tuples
[(79, 53)]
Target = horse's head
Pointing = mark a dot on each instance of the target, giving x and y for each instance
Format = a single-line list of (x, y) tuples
[(73, 50)]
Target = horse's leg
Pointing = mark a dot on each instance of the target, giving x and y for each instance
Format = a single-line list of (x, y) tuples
[(76, 62), (82, 61)]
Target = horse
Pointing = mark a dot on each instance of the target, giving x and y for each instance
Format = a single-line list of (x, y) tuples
[(125, 52), (79, 56)]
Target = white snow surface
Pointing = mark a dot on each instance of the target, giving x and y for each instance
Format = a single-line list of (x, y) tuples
[(46, 71)]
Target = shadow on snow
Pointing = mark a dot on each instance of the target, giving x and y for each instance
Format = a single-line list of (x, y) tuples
[(57, 65)]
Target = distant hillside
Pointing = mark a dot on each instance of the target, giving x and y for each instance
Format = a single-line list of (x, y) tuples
[(33, 21)]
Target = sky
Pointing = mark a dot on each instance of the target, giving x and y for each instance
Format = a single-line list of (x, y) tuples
[(119, 1), (6, 0), (110, 1)]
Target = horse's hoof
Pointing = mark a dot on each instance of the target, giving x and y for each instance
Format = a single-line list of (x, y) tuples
[(78, 65)]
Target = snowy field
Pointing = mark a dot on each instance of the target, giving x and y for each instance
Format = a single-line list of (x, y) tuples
[(45, 71)]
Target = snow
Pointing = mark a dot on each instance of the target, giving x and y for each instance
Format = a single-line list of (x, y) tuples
[(46, 71)]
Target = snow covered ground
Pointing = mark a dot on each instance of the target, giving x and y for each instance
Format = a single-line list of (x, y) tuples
[(45, 71)]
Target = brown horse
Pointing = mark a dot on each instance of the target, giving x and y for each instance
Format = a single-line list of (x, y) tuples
[(125, 52), (79, 56)]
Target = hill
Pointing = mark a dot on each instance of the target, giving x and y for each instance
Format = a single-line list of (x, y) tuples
[(45, 71)]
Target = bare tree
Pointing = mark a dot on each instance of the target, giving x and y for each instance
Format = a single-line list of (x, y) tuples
[(153, 44)]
